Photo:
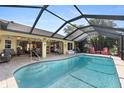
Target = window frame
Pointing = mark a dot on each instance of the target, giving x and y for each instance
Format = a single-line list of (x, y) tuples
[(8, 44), (70, 46)]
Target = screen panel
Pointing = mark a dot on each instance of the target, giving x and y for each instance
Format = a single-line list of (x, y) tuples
[(25, 16), (19, 19), (65, 11), (75, 34), (82, 37), (49, 22), (67, 29), (102, 9)]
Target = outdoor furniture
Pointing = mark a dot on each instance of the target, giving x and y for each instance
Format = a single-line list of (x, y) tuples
[(92, 50), (71, 52), (98, 52), (5, 56), (19, 51), (105, 51), (11, 51)]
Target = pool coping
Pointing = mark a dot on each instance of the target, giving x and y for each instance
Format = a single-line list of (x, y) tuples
[(119, 70), (51, 60), (121, 79)]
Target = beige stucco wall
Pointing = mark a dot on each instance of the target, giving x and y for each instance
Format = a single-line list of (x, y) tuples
[(13, 36), (13, 42), (44, 45), (65, 47), (1, 43)]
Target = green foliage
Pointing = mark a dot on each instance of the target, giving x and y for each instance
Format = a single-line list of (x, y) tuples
[(102, 22), (68, 29), (99, 42), (83, 46), (113, 51)]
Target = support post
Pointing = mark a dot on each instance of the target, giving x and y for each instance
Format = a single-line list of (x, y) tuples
[(73, 45), (122, 47), (2, 43), (64, 47), (44, 52), (14, 44), (30, 48)]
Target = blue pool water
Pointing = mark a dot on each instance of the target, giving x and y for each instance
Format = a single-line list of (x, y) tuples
[(75, 72)]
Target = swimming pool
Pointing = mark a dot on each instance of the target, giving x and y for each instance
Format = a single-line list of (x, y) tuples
[(80, 71)]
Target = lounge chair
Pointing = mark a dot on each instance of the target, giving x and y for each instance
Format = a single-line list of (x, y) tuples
[(105, 51), (11, 51), (5, 56), (92, 50)]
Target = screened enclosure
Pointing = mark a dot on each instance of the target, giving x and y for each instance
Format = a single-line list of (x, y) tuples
[(67, 22)]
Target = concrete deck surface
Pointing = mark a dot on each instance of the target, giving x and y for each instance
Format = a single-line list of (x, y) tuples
[(6, 69)]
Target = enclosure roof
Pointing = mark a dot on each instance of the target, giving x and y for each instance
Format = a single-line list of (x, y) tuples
[(55, 21), (16, 27)]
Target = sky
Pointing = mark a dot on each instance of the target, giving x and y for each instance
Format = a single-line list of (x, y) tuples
[(51, 23)]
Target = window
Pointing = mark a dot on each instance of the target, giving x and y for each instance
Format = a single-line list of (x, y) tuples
[(7, 43), (69, 46)]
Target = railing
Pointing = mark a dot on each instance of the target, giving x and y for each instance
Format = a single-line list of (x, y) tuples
[(31, 52)]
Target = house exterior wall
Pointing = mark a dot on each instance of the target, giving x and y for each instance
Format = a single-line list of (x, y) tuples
[(65, 47), (44, 52), (13, 42), (2, 44), (13, 36)]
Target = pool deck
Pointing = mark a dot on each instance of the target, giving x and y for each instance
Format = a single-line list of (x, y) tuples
[(6, 69)]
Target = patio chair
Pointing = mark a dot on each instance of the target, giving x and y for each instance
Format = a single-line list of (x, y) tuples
[(12, 52), (105, 51), (92, 50), (19, 51), (5, 56)]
